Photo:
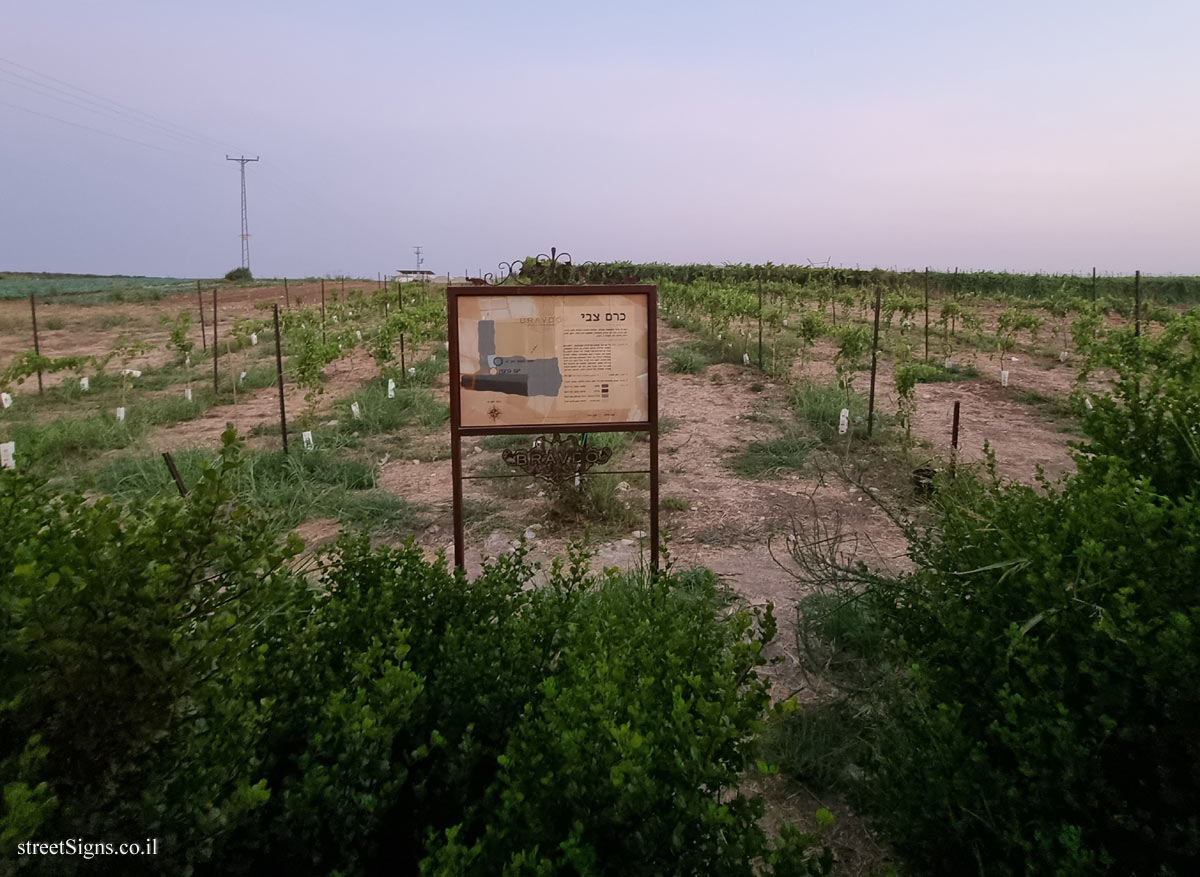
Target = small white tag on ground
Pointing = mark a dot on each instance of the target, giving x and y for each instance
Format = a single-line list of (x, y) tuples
[(1088, 403), (5, 400), (1004, 377), (253, 339), (308, 440), (121, 413), (412, 371), (1062, 357), (187, 393), (354, 409), (445, 345), (358, 334), (948, 362), (7, 452), (391, 389), (745, 359), (844, 421), (242, 378), (84, 385)]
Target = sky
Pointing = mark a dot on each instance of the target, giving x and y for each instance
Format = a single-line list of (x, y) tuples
[(1023, 136)]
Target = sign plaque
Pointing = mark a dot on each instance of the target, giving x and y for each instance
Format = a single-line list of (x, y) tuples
[(531, 360)]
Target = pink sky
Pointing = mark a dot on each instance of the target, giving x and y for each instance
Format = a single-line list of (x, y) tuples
[(1018, 136)]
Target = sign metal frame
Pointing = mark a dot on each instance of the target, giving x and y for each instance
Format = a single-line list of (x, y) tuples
[(458, 431)]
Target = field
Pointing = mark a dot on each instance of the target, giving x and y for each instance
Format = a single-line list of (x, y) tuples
[(752, 458)]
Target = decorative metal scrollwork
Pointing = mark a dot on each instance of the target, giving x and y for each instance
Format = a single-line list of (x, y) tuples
[(556, 459), (553, 269)]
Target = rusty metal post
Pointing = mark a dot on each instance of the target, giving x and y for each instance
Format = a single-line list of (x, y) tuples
[(322, 310), (927, 313), (652, 399), (874, 360), (37, 347), (279, 374), (954, 440), (170, 461), (1093, 285), (403, 363), (216, 350), (1137, 302), (760, 354), (203, 327), (343, 287), (287, 298), (455, 422)]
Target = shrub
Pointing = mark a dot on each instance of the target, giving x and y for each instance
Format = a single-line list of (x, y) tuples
[(1025, 697), (164, 671), (239, 274)]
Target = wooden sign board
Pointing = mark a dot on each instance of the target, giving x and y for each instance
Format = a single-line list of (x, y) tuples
[(552, 359)]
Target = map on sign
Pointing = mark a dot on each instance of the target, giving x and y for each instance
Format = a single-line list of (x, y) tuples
[(533, 360)]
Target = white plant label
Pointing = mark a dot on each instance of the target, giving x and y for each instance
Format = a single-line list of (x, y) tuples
[(844, 421), (242, 378), (7, 450), (5, 400), (121, 414), (335, 319), (1004, 377), (446, 345), (308, 440), (412, 371), (83, 384), (1062, 357), (745, 359), (358, 334), (391, 389), (187, 393), (132, 372), (1088, 403), (948, 361), (354, 409), (253, 339)]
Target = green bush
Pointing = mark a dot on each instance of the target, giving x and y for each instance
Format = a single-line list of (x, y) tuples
[(1025, 699), (165, 671), (238, 274)]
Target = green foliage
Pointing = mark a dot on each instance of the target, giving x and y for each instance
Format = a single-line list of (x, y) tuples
[(1149, 422), (764, 458), (165, 671), (1025, 697), (179, 329), (239, 274), (687, 360)]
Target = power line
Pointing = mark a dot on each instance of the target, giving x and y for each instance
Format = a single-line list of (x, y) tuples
[(88, 128), (64, 96), (120, 106)]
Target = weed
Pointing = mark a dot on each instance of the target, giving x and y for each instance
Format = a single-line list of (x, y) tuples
[(687, 360), (676, 504), (768, 457)]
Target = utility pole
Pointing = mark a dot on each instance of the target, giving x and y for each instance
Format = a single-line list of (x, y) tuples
[(420, 261), (245, 229)]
